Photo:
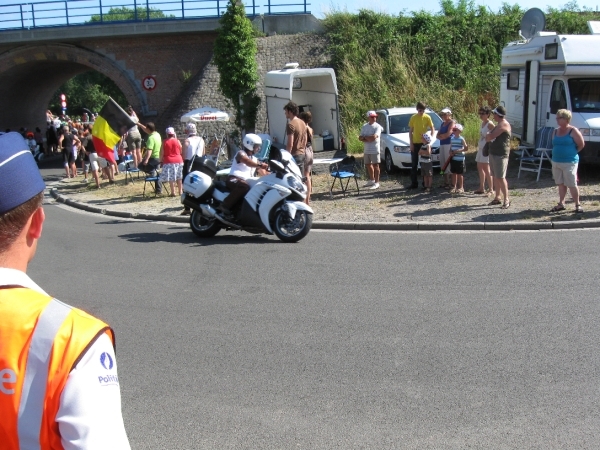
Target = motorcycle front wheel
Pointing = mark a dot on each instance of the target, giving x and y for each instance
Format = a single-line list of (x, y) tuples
[(203, 226), (292, 230)]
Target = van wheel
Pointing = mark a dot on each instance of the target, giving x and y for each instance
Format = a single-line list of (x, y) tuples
[(203, 226), (390, 168)]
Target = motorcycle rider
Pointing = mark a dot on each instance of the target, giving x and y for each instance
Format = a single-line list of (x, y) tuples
[(243, 164)]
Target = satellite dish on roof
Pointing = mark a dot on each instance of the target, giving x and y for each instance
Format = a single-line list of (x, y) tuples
[(532, 22)]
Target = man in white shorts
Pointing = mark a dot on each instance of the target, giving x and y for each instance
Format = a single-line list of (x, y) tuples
[(370, 135)]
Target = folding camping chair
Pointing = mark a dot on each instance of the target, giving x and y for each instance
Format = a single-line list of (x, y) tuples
[(216, 146), (153, 180), (344, 170), (129, 169), (533, 156)]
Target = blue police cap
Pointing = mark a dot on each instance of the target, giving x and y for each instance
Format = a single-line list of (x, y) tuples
[(20, 178)]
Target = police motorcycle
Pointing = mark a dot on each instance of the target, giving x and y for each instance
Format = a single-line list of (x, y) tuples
[(274, 203)]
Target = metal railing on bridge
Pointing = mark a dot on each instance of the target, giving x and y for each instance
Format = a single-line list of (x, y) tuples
[(52, 13)]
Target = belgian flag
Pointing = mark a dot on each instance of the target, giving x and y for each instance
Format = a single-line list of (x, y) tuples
[(108, 129)]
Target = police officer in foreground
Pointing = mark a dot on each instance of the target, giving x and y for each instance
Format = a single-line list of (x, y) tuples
[(58, 374)]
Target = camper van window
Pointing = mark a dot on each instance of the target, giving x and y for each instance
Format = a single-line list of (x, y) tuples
[(585, 94), (297, 84), (551, 51), (558, 97), (512, 80)]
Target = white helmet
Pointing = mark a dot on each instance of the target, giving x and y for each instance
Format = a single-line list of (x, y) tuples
[(250, 140), (426, 137), (190, 128)]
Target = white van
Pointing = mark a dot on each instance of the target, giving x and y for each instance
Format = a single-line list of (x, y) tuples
[(313, 90), (546, 72)]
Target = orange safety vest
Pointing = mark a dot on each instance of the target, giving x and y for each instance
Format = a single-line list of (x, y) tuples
[(41, 341)]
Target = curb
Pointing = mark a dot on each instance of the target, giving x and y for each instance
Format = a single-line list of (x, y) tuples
[(363, 226)]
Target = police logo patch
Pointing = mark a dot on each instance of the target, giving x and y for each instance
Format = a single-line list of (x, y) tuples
[(106, 361)]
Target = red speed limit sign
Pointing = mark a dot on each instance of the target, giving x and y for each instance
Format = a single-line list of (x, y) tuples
[(149, 83)]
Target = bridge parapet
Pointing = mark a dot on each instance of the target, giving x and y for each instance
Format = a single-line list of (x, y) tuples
[(52, 13)]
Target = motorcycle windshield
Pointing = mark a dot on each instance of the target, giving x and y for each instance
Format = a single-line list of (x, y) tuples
[(292, 166)]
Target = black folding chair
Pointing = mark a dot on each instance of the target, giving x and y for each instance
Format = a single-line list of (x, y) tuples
[(344, 170)]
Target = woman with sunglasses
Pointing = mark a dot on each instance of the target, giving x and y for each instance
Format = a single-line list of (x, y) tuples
[(483, 162), (499, 139)]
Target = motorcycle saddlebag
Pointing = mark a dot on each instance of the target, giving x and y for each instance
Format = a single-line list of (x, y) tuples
[(204, 164), (197, 184)]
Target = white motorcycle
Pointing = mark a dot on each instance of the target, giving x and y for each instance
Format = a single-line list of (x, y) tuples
[(274, 203)]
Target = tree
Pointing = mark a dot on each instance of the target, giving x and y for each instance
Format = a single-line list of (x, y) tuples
[(570, 20), (117, 14), (235, 58), (87, 90)]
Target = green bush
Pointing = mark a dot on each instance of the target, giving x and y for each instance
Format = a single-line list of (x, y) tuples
[(451, 58)]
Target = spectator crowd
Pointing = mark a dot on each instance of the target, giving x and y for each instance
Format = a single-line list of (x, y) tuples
[(73, 139)]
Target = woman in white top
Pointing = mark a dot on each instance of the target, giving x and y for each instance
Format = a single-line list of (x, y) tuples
[(483, 162)]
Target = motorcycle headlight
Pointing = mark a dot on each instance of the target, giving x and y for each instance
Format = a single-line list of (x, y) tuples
[(401, 149), (295, 184)]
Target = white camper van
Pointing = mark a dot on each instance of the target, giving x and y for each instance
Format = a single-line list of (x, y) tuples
[(313, 90), (546, 72)]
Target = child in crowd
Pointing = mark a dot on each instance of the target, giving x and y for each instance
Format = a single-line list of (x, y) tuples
[(425, 162), (458, 147), (31, 142)]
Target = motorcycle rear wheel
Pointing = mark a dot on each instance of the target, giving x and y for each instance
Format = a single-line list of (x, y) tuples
[(203, 226), (292, 230)]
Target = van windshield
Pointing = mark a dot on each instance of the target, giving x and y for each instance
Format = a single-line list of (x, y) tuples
[(585, 94)]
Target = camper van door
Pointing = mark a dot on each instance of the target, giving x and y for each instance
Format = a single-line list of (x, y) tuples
[(533, 71), (277, 120)]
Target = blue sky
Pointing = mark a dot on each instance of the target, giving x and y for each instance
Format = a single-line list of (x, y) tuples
[(320, 7)]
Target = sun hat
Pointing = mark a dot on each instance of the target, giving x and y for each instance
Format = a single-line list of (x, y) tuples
[(458, 127), (499, 110), (446, 111), (426, 137), (190, 128), (20, 178), (371, 114), (171, 130)]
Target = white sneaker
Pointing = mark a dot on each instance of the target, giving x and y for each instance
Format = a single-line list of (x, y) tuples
[(375, 186), (369, 183)]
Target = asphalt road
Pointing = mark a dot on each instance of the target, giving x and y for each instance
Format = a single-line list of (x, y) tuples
[(344, 340)]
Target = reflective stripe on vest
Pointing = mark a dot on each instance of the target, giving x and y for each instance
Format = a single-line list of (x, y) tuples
[(33, 394)]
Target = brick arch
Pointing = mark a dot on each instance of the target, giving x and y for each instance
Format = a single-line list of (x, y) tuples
[(30, 75)]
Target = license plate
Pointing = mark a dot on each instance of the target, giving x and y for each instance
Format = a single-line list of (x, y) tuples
[(435, 157)]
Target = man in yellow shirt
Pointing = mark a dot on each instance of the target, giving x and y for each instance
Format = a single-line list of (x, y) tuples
[(419, 124)]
